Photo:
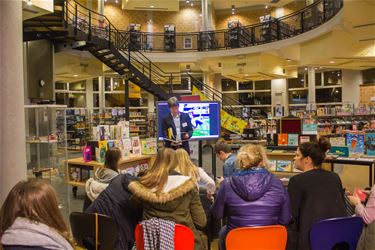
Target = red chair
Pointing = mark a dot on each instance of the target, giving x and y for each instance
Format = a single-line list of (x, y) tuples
[(183, 237), (256, 238)]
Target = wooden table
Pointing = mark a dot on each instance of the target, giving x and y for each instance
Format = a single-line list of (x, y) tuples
[(94, 165)]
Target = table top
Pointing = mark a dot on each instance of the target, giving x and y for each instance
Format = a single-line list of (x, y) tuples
[(130, 159)]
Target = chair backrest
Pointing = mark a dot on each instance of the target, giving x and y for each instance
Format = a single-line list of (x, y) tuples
[(327, 234), (251, 238), (88, 229), (183, 237)]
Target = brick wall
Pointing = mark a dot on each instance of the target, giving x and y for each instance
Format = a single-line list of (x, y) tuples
[(366, 92)]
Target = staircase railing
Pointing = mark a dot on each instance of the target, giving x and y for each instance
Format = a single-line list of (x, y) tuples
[(97, 26)]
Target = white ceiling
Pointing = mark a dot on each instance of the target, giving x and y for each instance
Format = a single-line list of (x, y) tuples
[(225, 4)]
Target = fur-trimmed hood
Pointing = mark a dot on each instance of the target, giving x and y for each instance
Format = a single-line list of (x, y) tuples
[(176, 186)]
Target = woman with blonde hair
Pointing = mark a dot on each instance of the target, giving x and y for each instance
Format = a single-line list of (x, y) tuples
[(30, 218), (252, 196), (186, 167), (170, 196)]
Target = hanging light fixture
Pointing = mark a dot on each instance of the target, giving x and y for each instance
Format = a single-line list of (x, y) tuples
[(29, 2), (233, 9)]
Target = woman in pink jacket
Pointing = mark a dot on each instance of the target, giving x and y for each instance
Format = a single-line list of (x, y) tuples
[(367, 213)]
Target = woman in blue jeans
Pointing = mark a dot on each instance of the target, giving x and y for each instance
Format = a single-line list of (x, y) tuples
[(252, 196)]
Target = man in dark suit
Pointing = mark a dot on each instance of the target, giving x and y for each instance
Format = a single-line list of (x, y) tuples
[(177, 127)]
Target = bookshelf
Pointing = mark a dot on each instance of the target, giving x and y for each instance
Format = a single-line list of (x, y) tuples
[(169, 38)]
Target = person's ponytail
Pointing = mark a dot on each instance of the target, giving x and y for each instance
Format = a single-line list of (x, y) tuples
[(315, 150)]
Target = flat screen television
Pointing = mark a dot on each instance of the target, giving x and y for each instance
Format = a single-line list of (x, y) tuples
[(205, 118)]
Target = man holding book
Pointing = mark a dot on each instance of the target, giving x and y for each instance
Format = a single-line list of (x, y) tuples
[(177, 128)]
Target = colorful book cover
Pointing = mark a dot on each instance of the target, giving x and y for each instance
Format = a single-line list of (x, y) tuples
[(149, 146), (370, 144), (337, 141), (136, 145), (282, 140), (86, 151), (355, 142), (272, 165), (310, 129), (75, 174), (111, 144), (284, 166), (126, 147), (103, 147), (304, 138), (342, 151), (102, 136), (292, 139)]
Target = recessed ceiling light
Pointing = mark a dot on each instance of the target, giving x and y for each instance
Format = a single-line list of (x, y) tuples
[(232, 12), (200, 14), (187, 1), (246, 74), (191, 4), (116, 1), (331, 61), (305, 68), (29, 3), (75, 75), (266, 6), (288, 60), (151, 6)]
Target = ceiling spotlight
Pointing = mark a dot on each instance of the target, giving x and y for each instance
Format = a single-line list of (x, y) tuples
[(288, 60), (105, 0), (200, 14), (187, 1), (191, 4), (232, 7), (331, 61), (151, 6), (232, 12), (266, 7), (306, 69), (29, 2), (75, 75)]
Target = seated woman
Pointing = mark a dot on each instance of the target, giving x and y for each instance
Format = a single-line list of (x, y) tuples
[(186, 167), (168, 195), (31, 219), (103, 176), (252, 196), (315, 194), (117, 203), (367, 213)]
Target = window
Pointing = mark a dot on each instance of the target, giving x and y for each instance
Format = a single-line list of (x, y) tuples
[(184, 84), (95, 84), (107, 84), (114, 100), (298, 82), (332, 78), (230, 99), (368, 76), (298, 96), (77, 86), (61, 86), (118, 84), (318, 79), (328, 95), (96, 100), (188, 42), (228, 85), (245, 86), (263, 85)]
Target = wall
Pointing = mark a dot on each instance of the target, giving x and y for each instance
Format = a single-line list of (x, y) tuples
[(351, 79), (186, 20), (250, 15), (39, 58), (366, 92), (279, 92)]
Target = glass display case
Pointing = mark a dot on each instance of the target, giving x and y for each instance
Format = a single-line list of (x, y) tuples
[(46, 147)]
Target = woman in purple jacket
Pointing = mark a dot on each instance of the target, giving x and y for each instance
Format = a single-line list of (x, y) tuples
[(252, 196)]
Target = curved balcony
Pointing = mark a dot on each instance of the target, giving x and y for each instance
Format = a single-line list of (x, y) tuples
[(267, 31)]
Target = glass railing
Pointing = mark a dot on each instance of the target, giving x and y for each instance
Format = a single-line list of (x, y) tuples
[(270, 29)]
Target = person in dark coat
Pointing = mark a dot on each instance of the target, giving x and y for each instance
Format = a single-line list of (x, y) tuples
[(315, 194), (176, 127), (252, 196), (117, 202)]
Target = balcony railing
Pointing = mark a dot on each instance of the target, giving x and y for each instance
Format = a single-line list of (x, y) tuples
[(268, 30)]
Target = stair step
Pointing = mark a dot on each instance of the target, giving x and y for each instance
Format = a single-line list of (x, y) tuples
[(109, 59)]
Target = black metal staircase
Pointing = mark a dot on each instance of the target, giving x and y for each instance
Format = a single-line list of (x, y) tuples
[(72, 25)]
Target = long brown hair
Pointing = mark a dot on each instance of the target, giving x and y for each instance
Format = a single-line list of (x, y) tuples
[(37, 201), (157, 175), (112, 156), (185, 166)]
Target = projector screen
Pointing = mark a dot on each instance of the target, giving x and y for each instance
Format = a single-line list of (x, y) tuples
[(205, 118)]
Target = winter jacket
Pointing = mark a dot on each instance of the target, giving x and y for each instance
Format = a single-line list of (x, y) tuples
[(314, 195), (116, 202), (252, 197), (96, 185), (26, 233), (179, 202)]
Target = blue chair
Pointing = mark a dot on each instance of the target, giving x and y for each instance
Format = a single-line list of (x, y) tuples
[(337, 233)]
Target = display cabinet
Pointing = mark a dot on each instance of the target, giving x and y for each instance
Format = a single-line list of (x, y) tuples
[(46, 144)]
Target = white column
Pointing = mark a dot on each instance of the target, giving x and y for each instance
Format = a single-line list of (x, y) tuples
[(150, 103), (279, 93), (101, 92), (89, 94), (206, 15), (12, 113), (351, 79), (311, 89), (100, 6)]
